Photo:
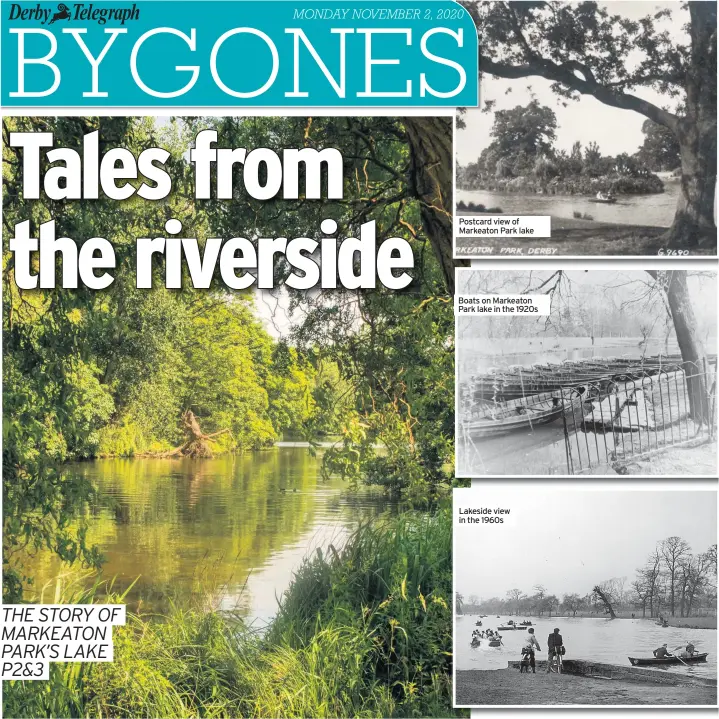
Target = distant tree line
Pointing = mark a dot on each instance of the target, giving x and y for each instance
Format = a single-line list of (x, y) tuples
[(523, 146), (673, 581)]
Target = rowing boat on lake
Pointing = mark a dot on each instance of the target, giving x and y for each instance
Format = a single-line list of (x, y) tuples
[(650, 661)]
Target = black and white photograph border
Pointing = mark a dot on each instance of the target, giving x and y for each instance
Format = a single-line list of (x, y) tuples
[(618, 379), (545, 569), (599, 115)]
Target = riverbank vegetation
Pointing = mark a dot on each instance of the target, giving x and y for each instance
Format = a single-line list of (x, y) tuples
[(127, 372), (523, 157), (362, 631), (674, 581)]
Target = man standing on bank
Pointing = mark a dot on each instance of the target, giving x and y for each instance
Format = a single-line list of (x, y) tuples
[(554, 644)]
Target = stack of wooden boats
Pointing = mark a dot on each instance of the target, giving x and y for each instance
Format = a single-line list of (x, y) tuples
[(515, 398)]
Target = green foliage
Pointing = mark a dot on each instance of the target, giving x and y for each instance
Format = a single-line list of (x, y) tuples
[(364, 631), (110, 373)]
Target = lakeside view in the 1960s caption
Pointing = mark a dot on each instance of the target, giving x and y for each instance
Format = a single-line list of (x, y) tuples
[(560, 590), (618, 378), (602, 116), (262, 477)]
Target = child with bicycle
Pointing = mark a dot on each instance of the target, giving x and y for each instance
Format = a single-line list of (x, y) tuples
[(528, 653)]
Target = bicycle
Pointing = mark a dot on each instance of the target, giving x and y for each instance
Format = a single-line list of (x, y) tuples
[(555, 660)]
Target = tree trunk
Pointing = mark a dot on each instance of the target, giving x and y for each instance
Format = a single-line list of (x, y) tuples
[(430, 142), (694, 222), (198, 444), (690, 345)]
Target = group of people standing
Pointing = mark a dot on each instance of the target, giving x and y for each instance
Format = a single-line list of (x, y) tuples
[(555, 645)]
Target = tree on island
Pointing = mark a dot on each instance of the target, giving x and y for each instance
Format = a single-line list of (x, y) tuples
[(582, 48), (528, 129), (660, 149)]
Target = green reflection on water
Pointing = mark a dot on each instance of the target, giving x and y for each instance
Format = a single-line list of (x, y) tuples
[(230, 530)]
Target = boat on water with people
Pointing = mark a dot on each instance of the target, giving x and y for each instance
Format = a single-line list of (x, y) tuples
[(510, 628), (606, 198), (651, 661)]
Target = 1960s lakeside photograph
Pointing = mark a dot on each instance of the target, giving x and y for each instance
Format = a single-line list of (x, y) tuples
[(601, 115), (586, 597), (618, 379)]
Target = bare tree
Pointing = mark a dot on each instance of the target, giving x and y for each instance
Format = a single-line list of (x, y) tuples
[(603, 593), (515, 596), (572, 603), (673, 550), (699, 571)]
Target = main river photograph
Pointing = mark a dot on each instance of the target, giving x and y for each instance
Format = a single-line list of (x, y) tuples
[(600, 115), (262, 477), (586, 597), (616, 376)]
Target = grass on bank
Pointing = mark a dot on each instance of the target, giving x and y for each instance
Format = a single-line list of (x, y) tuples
[(361, 632)]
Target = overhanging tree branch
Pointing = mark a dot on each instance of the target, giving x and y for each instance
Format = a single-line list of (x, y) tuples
[(565, 75)]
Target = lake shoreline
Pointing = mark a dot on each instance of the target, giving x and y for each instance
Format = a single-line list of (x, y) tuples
[(507, 687), (677, 622)]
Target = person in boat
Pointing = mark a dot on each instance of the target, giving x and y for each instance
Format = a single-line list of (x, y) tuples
[(688, 651), (555, 645), (662, 652), (605, 196), (475, 643)]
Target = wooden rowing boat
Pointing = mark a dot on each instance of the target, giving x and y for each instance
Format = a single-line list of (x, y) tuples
[(520, 413), (638, 662), (510, 629)]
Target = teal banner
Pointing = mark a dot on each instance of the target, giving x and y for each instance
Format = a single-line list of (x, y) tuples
[(270, 53)]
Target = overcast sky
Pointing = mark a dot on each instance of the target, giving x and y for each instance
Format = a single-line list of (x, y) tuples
[(570, 539), (586, 120)]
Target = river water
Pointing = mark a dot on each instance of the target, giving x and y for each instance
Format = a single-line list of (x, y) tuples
[(654, 210), (231, 529), (593, 639)]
